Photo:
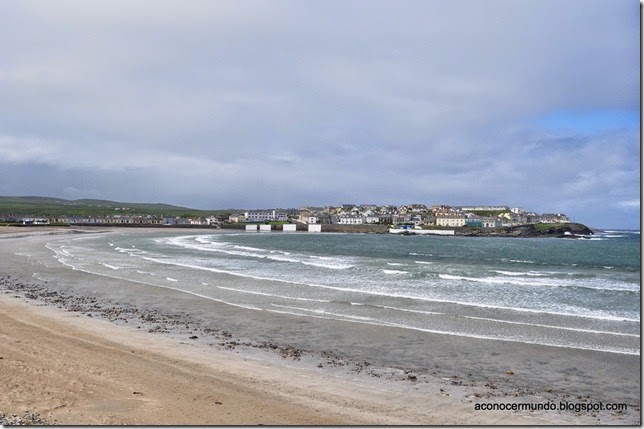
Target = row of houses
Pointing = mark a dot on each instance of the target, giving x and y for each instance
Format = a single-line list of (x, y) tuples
[(493, 216), (347, 214), (111, 220)]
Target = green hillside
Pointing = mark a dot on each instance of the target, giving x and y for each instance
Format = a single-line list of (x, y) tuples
[(45, 206)]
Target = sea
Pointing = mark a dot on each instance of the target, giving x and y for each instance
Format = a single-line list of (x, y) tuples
[(576, 293)]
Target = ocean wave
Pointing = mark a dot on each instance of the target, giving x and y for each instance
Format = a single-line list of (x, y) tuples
[(287, 257), (326, 312), (511, 322), (252, 292), (128, 251), (254, 249), (597, 284), (517, 273), (583, 313), (248, 307), (395, 272), (564, 328), (329, 266), (516, 339), (113, 267)]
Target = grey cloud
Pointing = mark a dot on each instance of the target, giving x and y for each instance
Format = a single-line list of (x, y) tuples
[(253, 103)]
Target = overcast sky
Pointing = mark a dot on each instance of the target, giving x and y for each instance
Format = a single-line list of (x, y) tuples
[(259, 104)]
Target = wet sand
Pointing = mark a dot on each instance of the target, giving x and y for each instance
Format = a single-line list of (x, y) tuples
[(303, 371)]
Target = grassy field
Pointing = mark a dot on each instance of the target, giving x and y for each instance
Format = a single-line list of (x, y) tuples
[(550, 226)]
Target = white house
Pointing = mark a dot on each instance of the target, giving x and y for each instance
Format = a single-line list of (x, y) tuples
[(351, 220), (491, 222), (35, 221), (485, 208), (554, 218), (372, 219), (265, 215), (453, 220), (237, 218)]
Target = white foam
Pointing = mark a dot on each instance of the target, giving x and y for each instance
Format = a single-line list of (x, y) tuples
[(252, 292), (330, 266), (520, 273), (325, 312), (409, 310), (598, 284), (423, 262), (395, 272), (171, 279), (601, 316), (395, 264), (249, 307), (113, 267), (372, 321), (255, 249), (572, 313), (300, 259), (129, 251), (564, 328)]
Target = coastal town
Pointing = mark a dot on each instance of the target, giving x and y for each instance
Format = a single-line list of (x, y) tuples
[(413, 215)]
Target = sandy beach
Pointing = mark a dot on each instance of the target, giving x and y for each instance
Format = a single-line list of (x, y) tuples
[(83, 349)]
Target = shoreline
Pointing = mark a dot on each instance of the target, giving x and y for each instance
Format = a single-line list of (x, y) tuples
[(567, 231), (440, 395)]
